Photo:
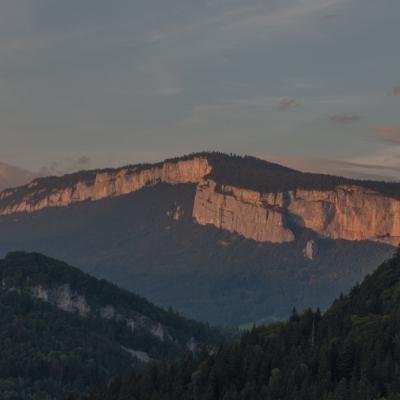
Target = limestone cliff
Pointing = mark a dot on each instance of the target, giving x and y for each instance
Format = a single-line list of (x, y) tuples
[(242, 211), (348, 212), (260, 203), (102, 184)]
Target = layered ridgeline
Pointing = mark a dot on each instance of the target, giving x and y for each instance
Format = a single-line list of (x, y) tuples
[(256, 199), (221, 238), (62, 331), (350, 352)]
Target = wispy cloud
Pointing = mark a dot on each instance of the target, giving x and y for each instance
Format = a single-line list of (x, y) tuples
[(347, 168), (395, 91), (330, 16), (386, 158), (345, 119), (288, 103), (388, 134)]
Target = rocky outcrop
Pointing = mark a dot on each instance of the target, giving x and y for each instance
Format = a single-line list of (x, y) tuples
[(311, 250), (103, 184), (66, 299), (176, 213), (348, 212), (243, 211), (63, 298)]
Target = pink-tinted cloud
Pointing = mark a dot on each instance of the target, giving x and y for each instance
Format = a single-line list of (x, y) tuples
[(391, 135), (287, 103), (345, 118), (396, 91), (349, 169)]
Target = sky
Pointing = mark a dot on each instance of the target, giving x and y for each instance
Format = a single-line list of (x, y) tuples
[(314, 84)]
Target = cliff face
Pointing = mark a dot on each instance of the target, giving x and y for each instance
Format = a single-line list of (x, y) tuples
[(104, 184), (349, 212), (242, 211)]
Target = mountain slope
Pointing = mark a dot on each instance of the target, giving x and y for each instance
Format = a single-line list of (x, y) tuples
[(221, 238), (62, 330), (350, 352)]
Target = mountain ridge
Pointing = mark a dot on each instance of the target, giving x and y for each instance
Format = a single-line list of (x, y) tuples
[(222, 174), (213, 251), (252, 197)]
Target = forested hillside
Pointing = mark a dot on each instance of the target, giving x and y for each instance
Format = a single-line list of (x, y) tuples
[(352, 352), (62, 331)]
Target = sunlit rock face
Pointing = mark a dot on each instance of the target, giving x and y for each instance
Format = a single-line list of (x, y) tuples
[(348, 211), (100, 185), (245, 212)]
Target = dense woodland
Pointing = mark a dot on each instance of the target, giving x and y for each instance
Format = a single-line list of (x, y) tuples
[(25, 270), (47, 353), (263, 176), (352, 352)]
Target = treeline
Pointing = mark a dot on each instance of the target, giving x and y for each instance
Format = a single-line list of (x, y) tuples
[(352, 352), (263, 176)]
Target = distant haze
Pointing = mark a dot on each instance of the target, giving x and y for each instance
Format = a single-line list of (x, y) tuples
[(11, 176)]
